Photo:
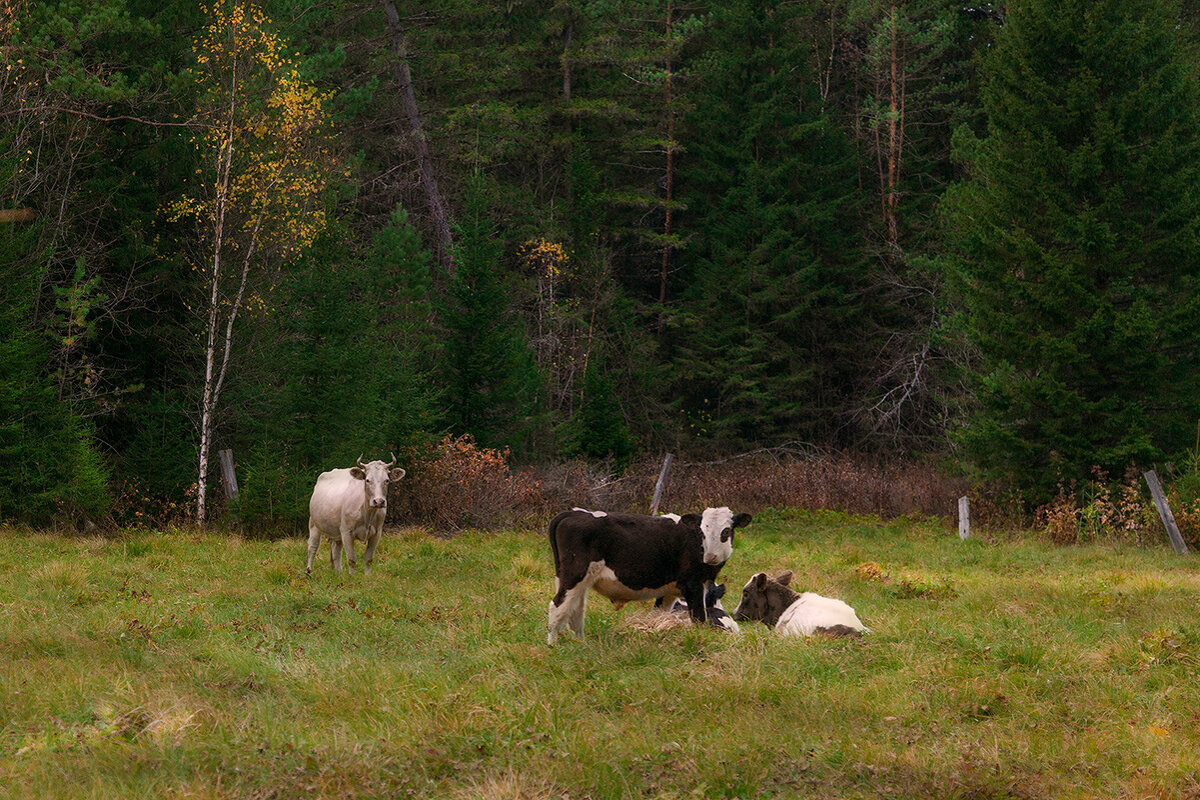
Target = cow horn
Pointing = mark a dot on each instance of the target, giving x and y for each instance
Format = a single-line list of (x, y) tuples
[(360, 463), (392, 463)]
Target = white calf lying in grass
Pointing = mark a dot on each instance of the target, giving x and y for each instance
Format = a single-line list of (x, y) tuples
[(794, 613)]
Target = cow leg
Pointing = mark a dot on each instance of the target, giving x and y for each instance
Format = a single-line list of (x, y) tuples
[(580, 613), (694, 595), (560, 609), (348, 548), (567, 609), (335, 554), (314, 543), (369, 556), (570, 605)]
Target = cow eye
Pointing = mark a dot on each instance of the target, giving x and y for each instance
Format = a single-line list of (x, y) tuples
[(728, 532)]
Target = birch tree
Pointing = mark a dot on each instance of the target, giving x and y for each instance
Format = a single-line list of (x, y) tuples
[(262, 140)]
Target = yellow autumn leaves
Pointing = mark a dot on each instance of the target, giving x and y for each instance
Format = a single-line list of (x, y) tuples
[(263, 136)]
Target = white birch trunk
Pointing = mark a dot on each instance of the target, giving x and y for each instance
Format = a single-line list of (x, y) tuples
[(208, 399)]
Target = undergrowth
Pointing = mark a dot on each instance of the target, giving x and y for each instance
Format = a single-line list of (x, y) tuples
[(455, 485)]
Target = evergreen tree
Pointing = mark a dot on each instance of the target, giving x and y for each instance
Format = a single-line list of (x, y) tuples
[(1077, 263), (346, 372), (908, 87), (770, 326), (51, 469), (598, 428), (491, 377)]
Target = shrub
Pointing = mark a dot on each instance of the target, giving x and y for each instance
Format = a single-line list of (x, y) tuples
[(768, 478), (460, 485), (1100, 510)]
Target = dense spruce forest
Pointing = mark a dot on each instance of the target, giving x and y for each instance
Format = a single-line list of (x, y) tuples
[(594, 230)]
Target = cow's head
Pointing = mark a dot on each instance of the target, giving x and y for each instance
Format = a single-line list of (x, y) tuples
[(716, 526), (375, 477), (765, 598)]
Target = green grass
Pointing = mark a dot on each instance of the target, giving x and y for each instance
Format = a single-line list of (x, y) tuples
[(173, 665)]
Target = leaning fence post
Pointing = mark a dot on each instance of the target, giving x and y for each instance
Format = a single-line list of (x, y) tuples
[(662, 482), (964, 518), (1164, 511), (228, 477)]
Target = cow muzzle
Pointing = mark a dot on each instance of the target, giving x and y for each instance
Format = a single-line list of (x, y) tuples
[(379, 502), (712, 560)]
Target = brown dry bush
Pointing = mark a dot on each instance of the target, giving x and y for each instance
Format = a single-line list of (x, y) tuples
[(1100, 510), (459, 485), (857, 485), (775, 478), (1187, 517), (456, 485)]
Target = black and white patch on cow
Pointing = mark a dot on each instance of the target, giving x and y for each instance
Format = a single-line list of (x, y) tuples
[(795, 613), (348, 505), (717, 616), (627, 557), (717, 525)]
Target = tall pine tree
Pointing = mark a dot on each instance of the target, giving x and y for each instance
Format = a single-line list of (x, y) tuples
[(770, 326), (491, 377), (52, 469), (1077, 256)]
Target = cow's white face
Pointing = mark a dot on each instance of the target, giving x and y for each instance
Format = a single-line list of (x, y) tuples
[(716, 526), (375, 477)]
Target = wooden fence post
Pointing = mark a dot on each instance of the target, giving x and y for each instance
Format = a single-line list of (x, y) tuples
[(662, 483), (228, 478), (964, 518), (1164, 512)]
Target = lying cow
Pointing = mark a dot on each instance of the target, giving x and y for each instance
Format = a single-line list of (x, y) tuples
[(717, 616), (349, 504), (793, 613), (628, 557)]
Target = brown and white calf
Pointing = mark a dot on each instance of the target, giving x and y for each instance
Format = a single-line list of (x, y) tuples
[(628, 557), (350, 504), (795, 613)]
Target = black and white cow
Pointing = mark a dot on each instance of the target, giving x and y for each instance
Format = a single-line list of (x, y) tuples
[(795, 613), (717, 616), (628, 557)]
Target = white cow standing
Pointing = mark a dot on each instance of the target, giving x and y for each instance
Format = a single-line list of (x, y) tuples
[(349, 504)]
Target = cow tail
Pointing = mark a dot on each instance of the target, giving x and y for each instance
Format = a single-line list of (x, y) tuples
[(553, 531)]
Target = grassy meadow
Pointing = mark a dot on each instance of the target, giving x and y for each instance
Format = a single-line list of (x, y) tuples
[(160, 665)]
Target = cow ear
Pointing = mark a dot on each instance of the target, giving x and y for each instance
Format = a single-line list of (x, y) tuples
[(742, 520), (690, 519), (356, 472), (760, 581), (785, 578), (396, 474)]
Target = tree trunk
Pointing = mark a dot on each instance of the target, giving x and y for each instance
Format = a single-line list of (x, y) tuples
[(208, 398), (437, 208), (568, 35), (666, 252), (895, 143)]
